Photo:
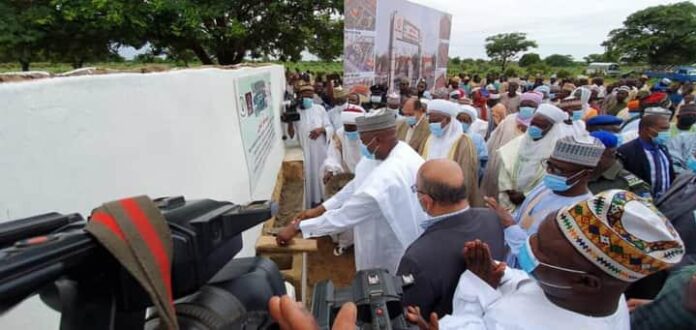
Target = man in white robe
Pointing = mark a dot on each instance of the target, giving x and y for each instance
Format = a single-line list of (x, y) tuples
[(342, 158), (341, 102), (312, 131), (378, 203), (570, 279), (520, 159)]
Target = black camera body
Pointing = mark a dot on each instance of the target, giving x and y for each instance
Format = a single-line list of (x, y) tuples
[(377, 295), (54, 256)]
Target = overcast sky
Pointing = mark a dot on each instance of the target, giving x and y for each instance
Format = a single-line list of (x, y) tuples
[(574, 28)]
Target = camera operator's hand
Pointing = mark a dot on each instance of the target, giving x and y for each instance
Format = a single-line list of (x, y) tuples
[(291, 315), (316, 133), (503, 215), (479, 261), (413, 316)]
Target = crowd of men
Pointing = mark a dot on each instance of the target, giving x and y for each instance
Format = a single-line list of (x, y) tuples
[(513, 203)]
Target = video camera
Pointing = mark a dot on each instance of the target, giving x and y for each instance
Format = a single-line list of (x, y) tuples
[(377, 295), (52, 254), (290, 113)]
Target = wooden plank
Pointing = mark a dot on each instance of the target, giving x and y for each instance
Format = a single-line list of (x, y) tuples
[(267, 244)]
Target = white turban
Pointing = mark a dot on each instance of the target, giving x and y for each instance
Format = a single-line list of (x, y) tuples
[(443, 106), (469, 110), (552, 112), (349, 114)]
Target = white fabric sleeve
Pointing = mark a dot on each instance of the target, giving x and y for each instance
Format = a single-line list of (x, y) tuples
[(326, 123), (470, 301), (338, 199), (515, 237), (333, 160), (356, 209)]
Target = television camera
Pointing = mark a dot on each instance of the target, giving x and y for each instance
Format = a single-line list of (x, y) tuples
[(52, 255)]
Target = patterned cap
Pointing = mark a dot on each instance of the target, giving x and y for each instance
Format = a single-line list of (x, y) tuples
[(376, 120), (582, 150), (306, 87), (622, 234), (339, 92), (657, 111)]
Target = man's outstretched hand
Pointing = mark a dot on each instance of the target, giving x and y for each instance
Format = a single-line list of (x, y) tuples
[(413, 316), (291, 315), (285, 236), (479, 261), (504, 216)]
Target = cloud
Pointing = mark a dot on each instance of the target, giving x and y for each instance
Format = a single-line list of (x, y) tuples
[(559, 27)]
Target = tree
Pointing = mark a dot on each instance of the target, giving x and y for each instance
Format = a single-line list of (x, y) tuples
[(529, 59), (227, 31), (504, 47), (559, 60), (592, 58), (24, 28), (659, 35)]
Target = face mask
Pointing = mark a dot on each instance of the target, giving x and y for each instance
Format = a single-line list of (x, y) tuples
[(687, 121), (307, 103), (619, 139), (661, 138), (376, 99), (535, 132), (559, 183), (411, 121), (528, 262), (352, 136), (691, 164), (526, 112), (634, 114), (366, 152), (465, 127), (577, 115), (436, 129)]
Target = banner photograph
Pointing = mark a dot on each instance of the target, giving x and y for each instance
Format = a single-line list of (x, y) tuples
[(390, 40)]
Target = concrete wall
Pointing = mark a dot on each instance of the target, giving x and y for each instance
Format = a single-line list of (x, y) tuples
[(70, 144)]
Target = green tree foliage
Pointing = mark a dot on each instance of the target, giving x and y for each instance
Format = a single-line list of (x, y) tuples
[(505, 47), (559, 60), (563, 74), (227, 31), (658, 35), (529, 59), (24, 29)]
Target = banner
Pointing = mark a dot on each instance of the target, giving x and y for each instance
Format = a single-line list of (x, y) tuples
[(389, 40), (255, 121)]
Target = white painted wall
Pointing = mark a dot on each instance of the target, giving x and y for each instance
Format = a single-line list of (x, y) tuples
[(70, 144)]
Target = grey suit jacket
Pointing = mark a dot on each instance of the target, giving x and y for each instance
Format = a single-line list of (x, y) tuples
[(678, 205)]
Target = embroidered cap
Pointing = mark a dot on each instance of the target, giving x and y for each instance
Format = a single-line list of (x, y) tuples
[(582, 150), (622, 234), (376, 120)]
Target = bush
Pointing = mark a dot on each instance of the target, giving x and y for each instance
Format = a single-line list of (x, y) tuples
[(511, 72), (563, 74)]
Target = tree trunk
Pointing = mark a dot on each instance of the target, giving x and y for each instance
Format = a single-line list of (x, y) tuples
[(25, 65), (201, 54), (78, 63)]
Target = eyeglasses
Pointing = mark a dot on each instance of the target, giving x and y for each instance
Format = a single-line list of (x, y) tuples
[(553, 169)]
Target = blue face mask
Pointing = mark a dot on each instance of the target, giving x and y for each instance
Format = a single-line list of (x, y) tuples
[(411, 121), (634, 114), (307, 103), (535, 132), (366, 152), (436, 129), (529, 263), (619, 139), (661, 138), (691, 164), (526, 112), (559, 183), (465, 127), (577, 115), (352, 136)]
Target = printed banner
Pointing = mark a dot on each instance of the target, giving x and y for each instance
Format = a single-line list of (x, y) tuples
[(255, 121), (388, 40)]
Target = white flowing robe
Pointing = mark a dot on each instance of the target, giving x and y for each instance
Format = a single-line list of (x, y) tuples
[(314, 150), (519, 304), (381, 208), (345, 159)]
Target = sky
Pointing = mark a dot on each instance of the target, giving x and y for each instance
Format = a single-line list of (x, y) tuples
[(574, 28)]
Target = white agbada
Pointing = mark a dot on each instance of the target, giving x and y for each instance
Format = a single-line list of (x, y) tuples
[(519, 304), (314, 150), (335, 116), (381, 208), (343, 154)]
